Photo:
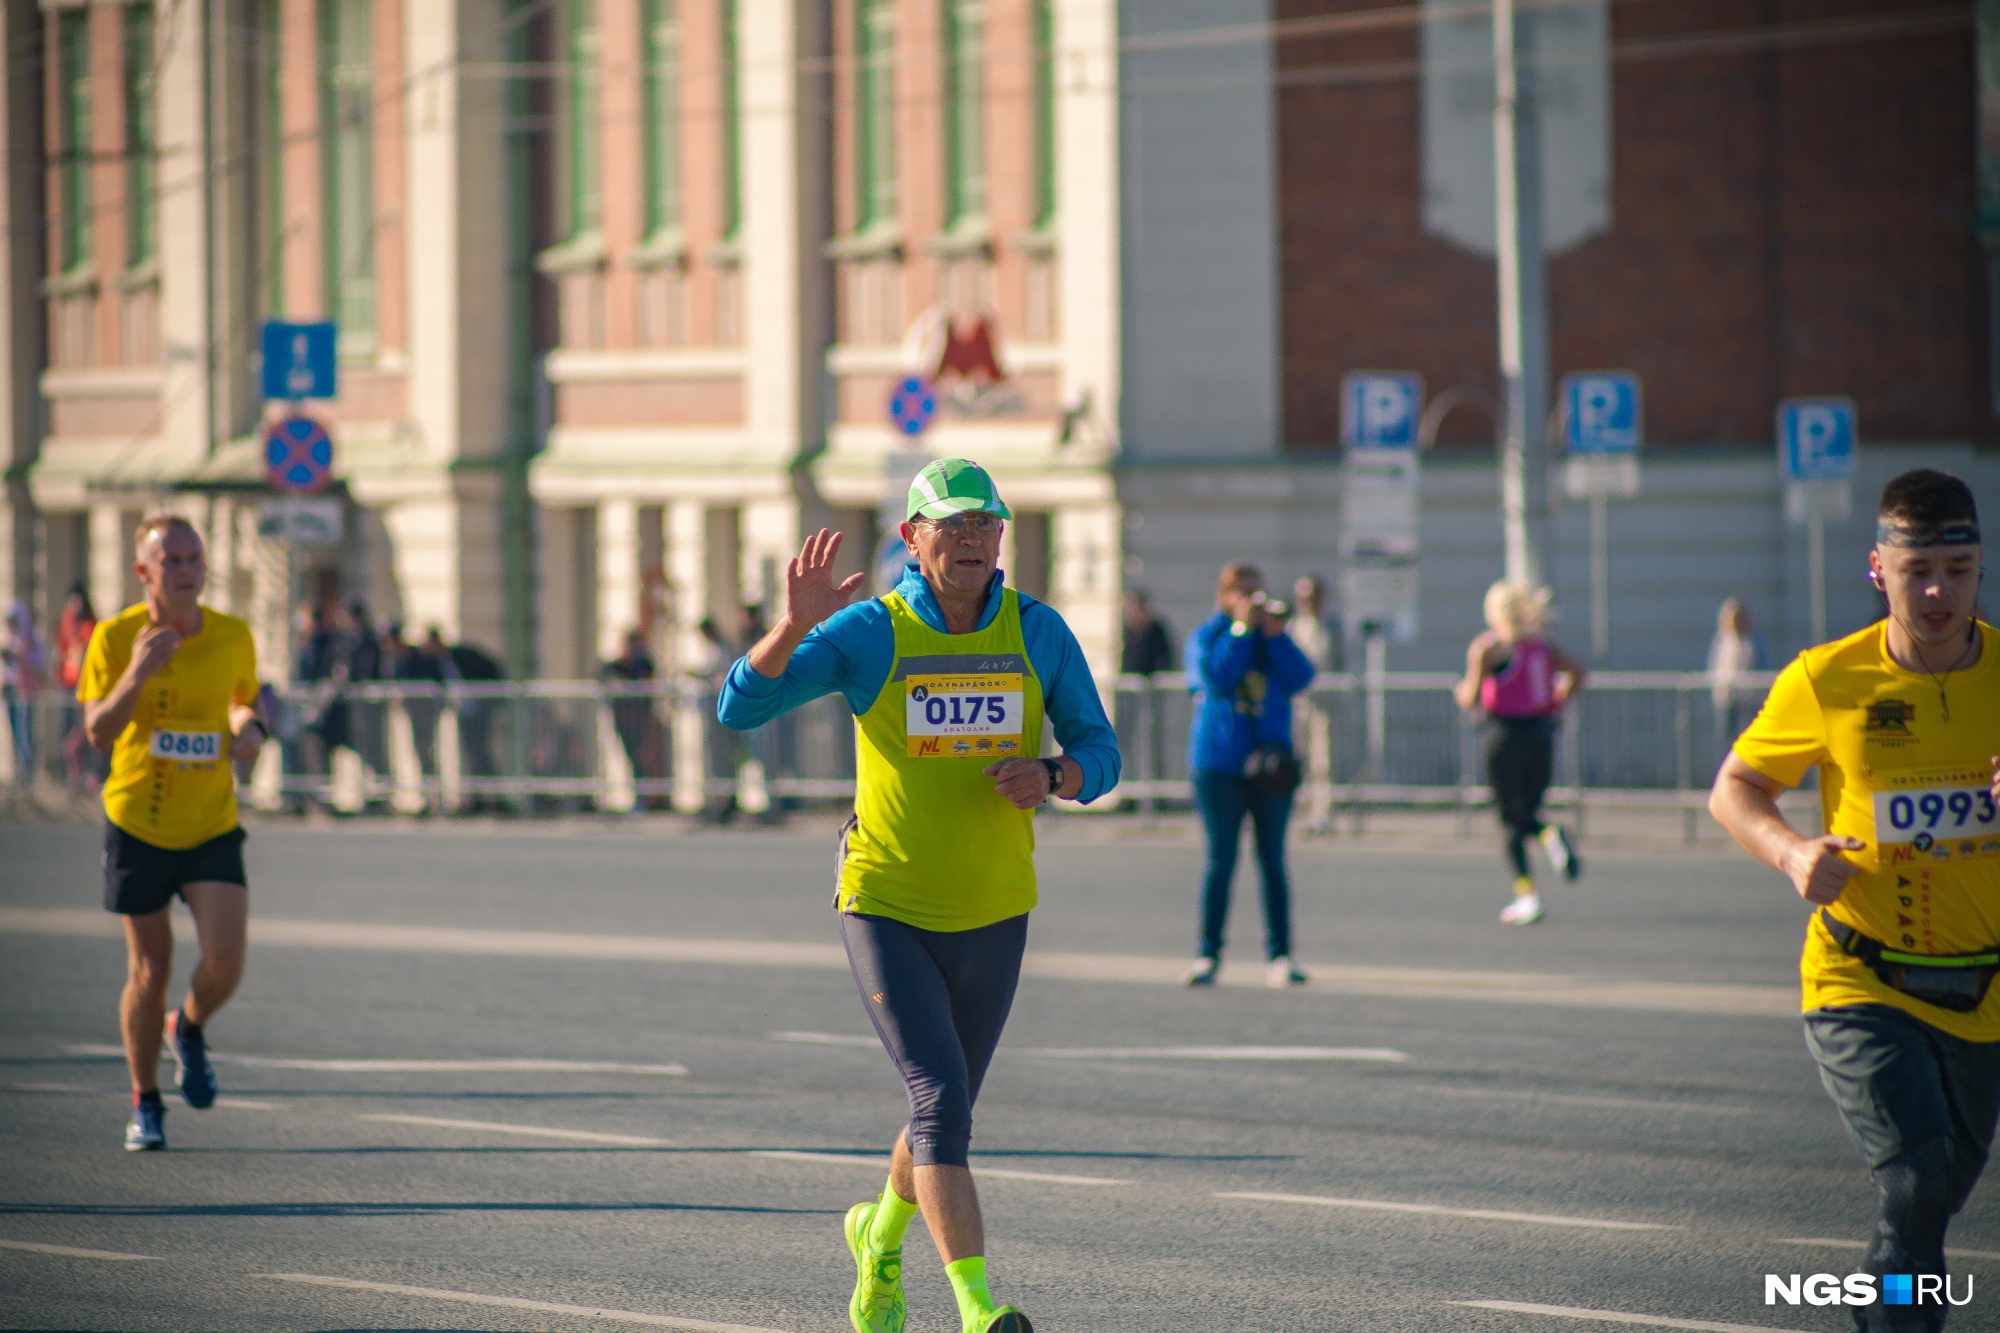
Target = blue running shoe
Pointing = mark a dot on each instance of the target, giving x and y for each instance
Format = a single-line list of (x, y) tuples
[(148, 1130), (197, 1077)]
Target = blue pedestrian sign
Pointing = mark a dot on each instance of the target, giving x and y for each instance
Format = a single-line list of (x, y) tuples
[(1380, 409), (299, 360), (1817, 439), (298, 455), (1601, 412), (913, 405)]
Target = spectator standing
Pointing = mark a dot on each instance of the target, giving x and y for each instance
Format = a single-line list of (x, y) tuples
[(473, 665), (27, 669), (709, 666), (1318, 637), (1149, 643), (74, 627), (1736, 650), (323, 665), (368, 717), (1244, 671), (632, 714), (424, 665)]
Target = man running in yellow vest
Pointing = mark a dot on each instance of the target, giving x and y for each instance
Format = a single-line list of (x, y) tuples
[(1903, 721), (169, 687), (949, 678)]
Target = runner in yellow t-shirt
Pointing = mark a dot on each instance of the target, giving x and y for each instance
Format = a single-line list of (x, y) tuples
[(170, 687), (1903, 721)]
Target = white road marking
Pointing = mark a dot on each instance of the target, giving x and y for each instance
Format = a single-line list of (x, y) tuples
[(1207, 1053), (246, 1104), (517, 1303), (530, 1131), (1862, 1245), (1621, 1317), (1489, 1214), (1532, 988), (1569, 1099), (422, 1066), (882, 1164), (1135, 1052), (71, 1251)]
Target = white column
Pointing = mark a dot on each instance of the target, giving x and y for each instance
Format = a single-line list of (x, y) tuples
[(687, 580), (1084, 580), (113, 586), (1087, 194), (183, 219)]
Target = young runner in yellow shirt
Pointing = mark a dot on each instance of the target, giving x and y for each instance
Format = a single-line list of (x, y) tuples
[(1903, 721), (169, 687)]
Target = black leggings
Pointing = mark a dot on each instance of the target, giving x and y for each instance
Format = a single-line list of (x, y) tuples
[(1520, 759), (938, 999)]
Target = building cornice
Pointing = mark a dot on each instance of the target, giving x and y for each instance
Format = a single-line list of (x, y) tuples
[(104, 382), (576, 366)]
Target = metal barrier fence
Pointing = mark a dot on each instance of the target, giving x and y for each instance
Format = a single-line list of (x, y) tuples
[(1391, 740)]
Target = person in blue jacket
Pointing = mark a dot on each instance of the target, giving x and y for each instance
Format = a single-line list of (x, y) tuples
[(1243, 670)]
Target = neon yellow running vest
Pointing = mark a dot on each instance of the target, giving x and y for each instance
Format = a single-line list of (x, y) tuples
[(933, 845)]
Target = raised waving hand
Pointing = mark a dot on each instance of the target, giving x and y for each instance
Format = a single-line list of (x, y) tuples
[(811, 596)]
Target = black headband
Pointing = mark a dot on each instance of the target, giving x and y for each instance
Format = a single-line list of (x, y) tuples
[(1954, 532)]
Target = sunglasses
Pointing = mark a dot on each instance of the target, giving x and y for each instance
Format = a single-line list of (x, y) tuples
[(958, 525)]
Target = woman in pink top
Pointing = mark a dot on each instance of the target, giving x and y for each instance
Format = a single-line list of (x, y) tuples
[(1520, 680)]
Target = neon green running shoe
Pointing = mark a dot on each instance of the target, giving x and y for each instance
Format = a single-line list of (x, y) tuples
[(877, 1303), (1006, 1319)]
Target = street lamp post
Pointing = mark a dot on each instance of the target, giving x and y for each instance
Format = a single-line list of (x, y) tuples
[(1524, 296)]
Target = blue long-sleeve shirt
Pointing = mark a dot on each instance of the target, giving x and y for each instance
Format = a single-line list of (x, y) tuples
[(852, 651), (1229, 717)]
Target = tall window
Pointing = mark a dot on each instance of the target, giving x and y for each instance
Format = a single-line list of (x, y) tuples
[(73, 106), (1045, 112), (874, 112), (965, 109), (140, 139), (732, 123), (586, 190), (663, 115), (348, 139)]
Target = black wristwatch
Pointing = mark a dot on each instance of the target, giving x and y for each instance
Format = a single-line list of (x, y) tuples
[(1055, 774)]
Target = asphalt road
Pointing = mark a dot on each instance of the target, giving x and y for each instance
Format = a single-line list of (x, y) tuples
[(1612, 1112)]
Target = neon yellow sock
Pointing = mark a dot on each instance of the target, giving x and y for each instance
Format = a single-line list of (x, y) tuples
[(968, 1283), (891, 1220), (1523, 886)]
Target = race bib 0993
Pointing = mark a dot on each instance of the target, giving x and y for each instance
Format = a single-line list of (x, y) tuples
[(970, 716), (1935, 814), (189, 747)]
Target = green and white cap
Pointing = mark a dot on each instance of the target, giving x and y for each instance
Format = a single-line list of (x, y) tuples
[(954, 486)]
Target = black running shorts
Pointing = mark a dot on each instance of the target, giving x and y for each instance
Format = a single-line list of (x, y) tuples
[(140, 879)]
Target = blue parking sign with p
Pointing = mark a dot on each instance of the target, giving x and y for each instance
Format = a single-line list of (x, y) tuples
[(1601, 412), (1380, 409), (1817, 439), (299, 359)]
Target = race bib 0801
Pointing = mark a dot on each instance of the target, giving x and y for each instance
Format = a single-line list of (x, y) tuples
[(189, 747), (1935, 814), (955, 717)]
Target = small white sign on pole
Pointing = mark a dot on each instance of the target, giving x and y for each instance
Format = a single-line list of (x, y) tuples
[(301, 520), (1378, 539)]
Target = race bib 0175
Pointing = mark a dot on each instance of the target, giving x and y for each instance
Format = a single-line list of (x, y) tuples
[(189, 747), (1935, 814), (957, 717)]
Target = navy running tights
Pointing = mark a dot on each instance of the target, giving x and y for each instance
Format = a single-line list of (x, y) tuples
[(938, 999)]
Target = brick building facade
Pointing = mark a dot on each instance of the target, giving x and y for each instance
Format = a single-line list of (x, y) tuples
[(624, 285)]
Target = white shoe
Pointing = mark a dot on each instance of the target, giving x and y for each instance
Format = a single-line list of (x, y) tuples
[(1280, 972), (1525, 910), (1203, 972)]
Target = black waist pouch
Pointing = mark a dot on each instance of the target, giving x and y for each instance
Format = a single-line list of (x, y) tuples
[(1957, 982), (1272, 768)]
